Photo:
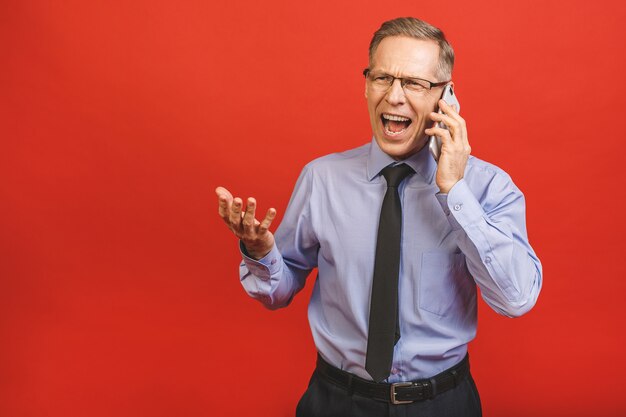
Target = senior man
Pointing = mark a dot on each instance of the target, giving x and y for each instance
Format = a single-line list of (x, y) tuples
[(400, 242)]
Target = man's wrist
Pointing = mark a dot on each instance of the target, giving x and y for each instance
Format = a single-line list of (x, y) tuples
[(446, 188), (255, 254)]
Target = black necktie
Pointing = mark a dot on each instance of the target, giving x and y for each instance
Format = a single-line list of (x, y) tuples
[(384, 328)]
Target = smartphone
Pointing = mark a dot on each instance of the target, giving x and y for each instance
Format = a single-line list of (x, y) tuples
[(434, 145)]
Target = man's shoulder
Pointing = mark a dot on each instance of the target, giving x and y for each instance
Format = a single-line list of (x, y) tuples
[(351, 158)]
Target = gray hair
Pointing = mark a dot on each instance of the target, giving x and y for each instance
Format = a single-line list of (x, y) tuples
[(415, 28)]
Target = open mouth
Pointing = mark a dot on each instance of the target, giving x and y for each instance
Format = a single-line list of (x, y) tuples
[(394, 124)]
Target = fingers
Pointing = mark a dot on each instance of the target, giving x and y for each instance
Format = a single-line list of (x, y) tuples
[(454, 133), (225, 200), (234, 216), (267, 221), (241, 220), (453, 121), (255, 235), (248, 217), (441, 132), (450, 141), (221, 191), (449, 110), (454, 126)]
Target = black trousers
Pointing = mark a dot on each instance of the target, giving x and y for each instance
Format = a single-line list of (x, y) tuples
[(325, 399)]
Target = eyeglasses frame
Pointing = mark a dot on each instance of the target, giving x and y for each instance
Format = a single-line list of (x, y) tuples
[(431, 84)]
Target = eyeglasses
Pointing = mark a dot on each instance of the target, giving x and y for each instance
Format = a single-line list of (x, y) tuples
[(382, 82)]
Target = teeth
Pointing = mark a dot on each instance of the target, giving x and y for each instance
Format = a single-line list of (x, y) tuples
[(390, 133), (395, 118)]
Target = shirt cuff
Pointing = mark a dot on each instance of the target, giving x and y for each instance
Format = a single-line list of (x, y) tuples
[(460, 206), (265, 267)]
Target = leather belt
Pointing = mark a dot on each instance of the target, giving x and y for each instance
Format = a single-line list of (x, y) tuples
[(399, 392)]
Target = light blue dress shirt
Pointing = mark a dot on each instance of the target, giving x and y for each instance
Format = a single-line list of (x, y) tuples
[(474, 235)]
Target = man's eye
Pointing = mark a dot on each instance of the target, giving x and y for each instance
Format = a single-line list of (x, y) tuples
[(382, 78), (415, 85)]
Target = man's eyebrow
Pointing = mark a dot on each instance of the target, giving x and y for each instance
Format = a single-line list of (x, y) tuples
[(401, 76)]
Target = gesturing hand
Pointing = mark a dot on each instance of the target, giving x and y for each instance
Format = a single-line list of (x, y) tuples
[(255, 235), (455, 148)]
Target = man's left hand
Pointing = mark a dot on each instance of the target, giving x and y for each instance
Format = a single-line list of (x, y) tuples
[(455, 148)]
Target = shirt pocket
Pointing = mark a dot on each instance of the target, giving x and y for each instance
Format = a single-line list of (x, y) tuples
[(445, 287)]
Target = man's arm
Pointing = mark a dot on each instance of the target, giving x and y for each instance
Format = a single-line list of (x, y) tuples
[(491, 232), (273, 269)]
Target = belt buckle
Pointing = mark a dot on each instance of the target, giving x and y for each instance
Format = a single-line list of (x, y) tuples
[(393, 392)]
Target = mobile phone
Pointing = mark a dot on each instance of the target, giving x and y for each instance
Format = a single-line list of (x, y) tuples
[(434, 144)]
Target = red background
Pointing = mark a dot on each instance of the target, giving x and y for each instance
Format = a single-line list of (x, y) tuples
[(119, 293)]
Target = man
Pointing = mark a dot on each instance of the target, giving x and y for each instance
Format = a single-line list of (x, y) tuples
[(400, 242)]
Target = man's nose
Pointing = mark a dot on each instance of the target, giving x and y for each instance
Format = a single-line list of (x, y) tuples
[(395, 95)]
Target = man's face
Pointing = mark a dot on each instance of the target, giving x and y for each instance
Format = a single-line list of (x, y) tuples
[(399, 119)]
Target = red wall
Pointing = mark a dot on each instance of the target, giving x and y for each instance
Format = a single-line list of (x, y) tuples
[(119, 293)]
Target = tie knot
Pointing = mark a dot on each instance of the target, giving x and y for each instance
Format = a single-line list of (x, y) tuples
[(395, 174)]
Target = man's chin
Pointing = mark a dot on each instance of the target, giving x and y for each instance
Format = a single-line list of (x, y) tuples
[(400, 149)]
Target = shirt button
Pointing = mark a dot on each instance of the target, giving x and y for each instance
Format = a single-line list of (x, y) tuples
[(488, 259), (395, 371), (273, 261), (457, 207)]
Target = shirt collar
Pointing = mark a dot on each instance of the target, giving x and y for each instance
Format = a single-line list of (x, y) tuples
[(422, 162)]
